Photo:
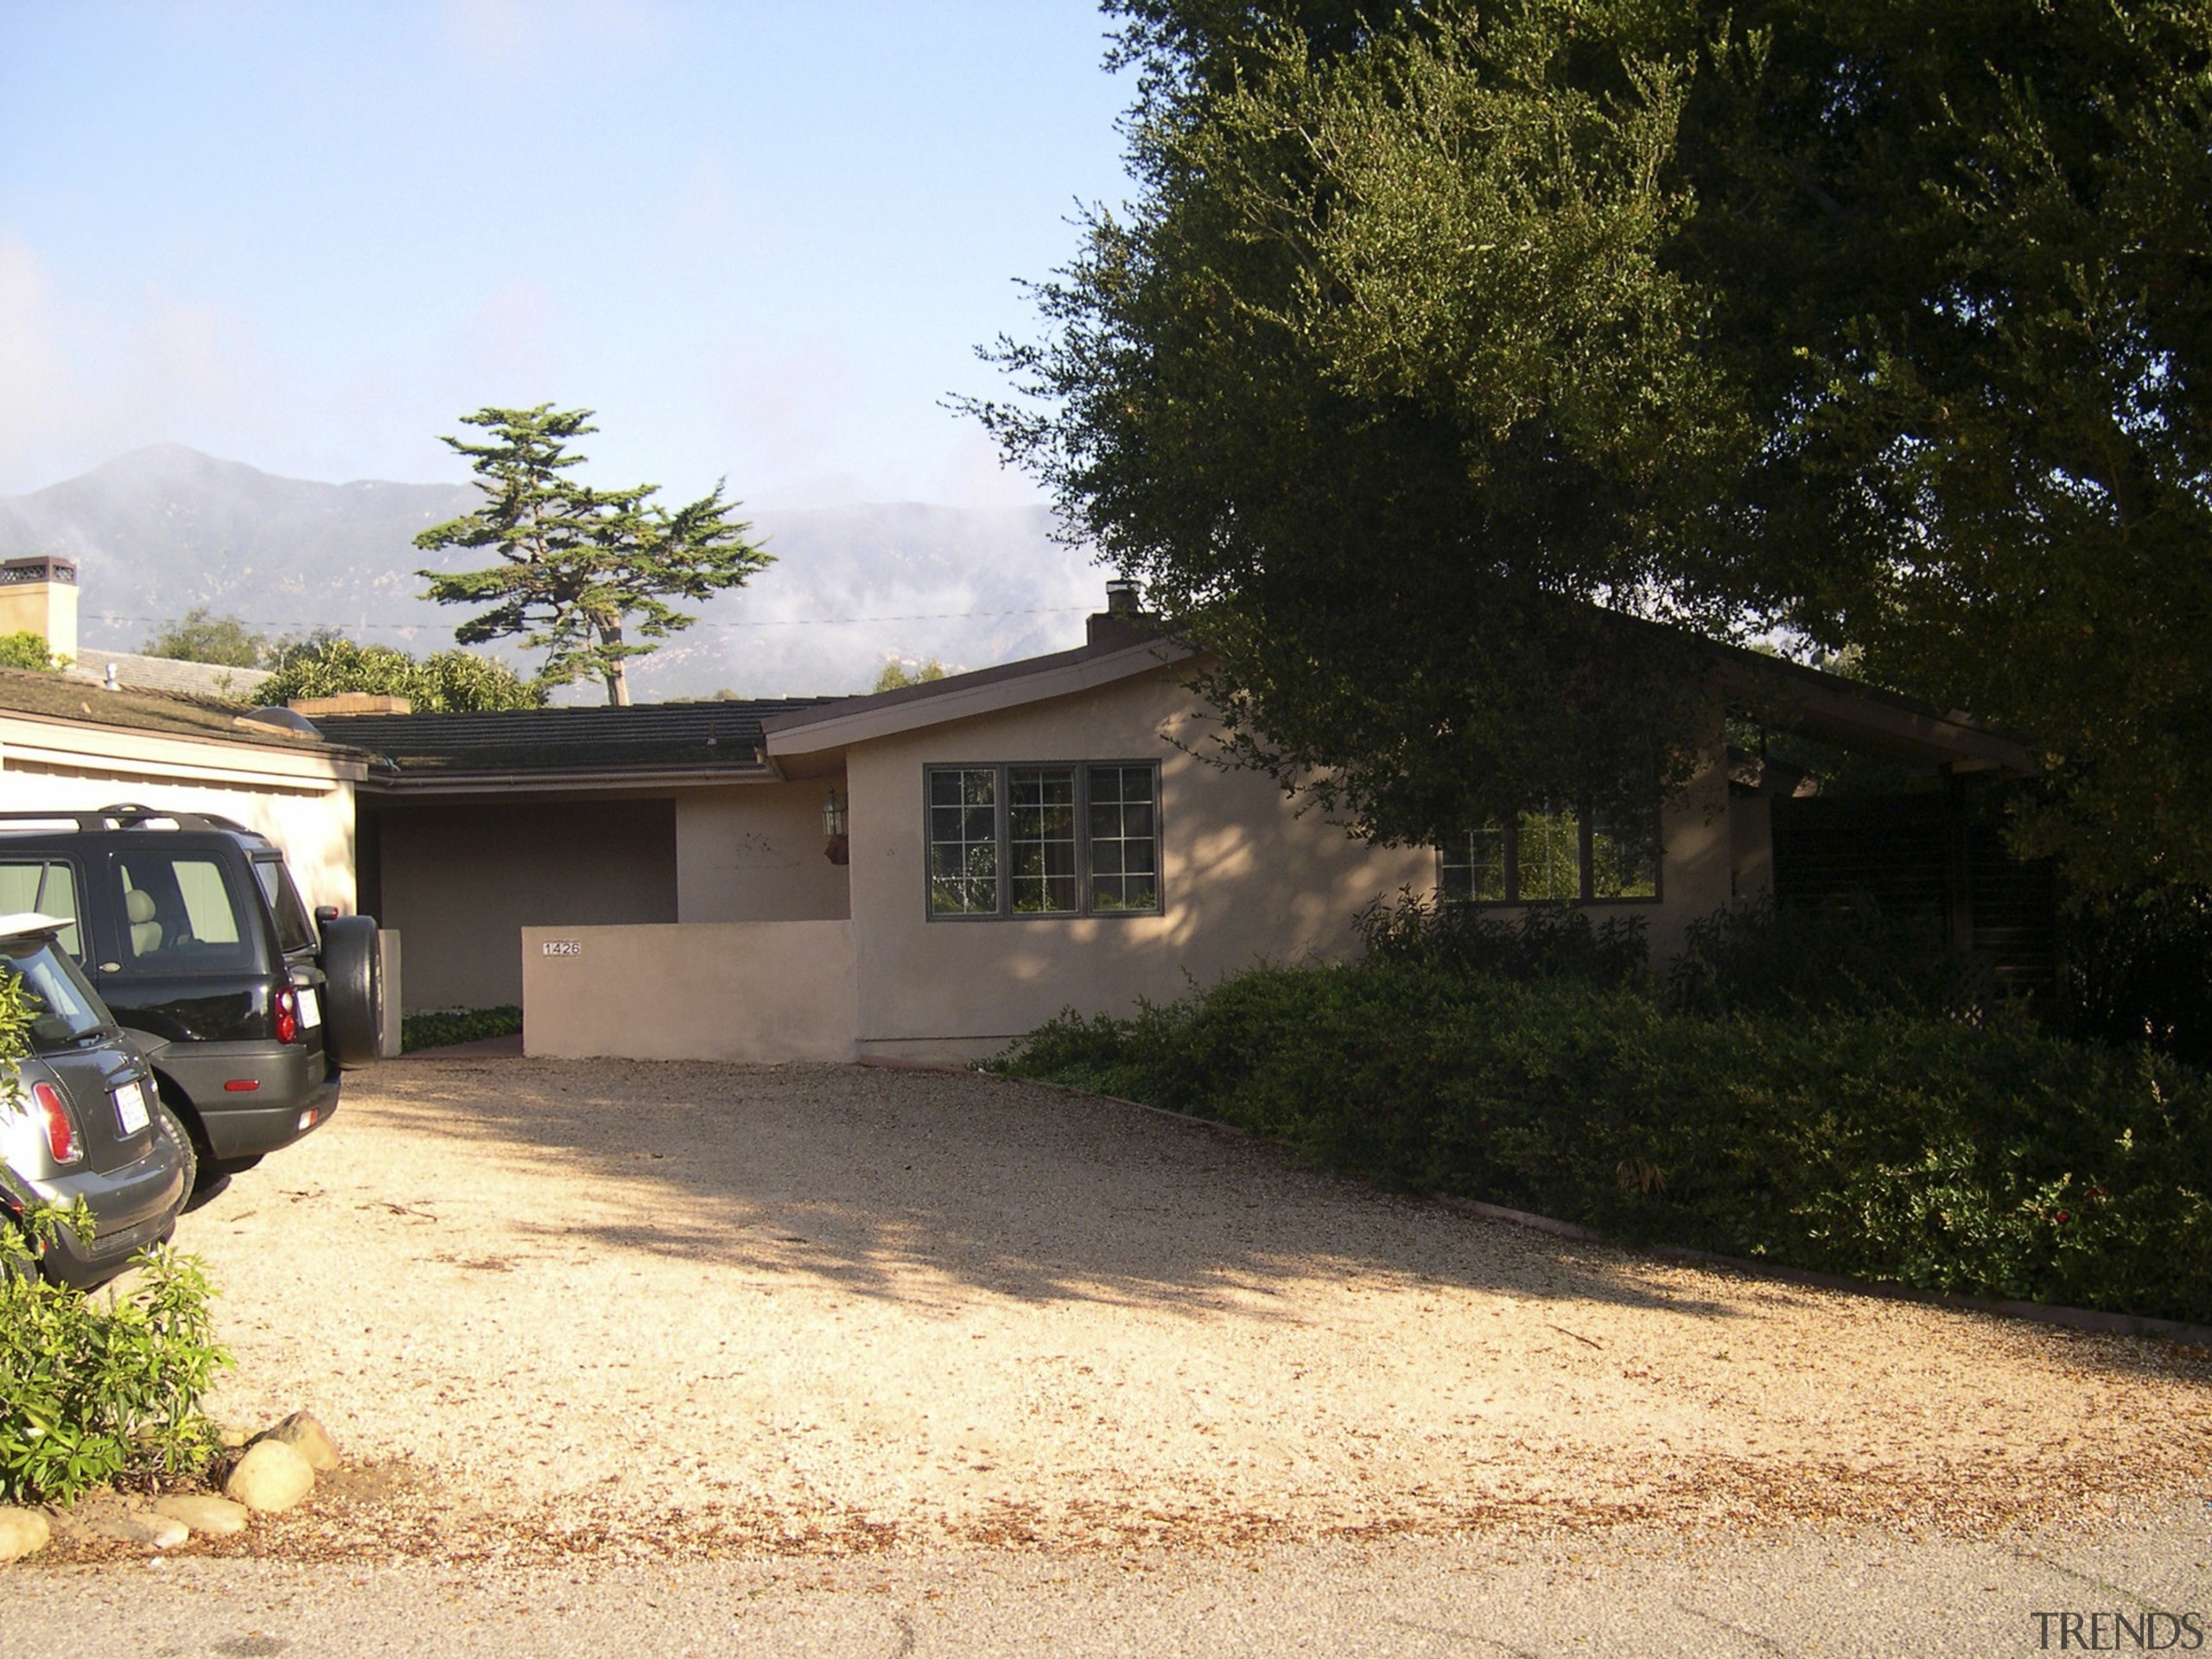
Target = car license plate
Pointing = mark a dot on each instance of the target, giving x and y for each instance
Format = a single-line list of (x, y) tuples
[(310, 1009), (132, 1109)]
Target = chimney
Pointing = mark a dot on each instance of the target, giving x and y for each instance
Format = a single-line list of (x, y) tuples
[(1124, 621), (38, 596)]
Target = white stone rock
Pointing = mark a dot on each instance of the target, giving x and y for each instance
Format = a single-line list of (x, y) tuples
[(205, 1512), (23, 1532), (270, 1478)]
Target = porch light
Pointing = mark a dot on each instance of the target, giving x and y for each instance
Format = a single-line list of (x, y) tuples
[(835, 846)]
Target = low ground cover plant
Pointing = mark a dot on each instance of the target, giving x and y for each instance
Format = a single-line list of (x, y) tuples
[(441, 1027), (1886, 1126)]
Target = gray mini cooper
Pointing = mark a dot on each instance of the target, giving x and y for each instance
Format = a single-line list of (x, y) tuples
[(82, 1118)]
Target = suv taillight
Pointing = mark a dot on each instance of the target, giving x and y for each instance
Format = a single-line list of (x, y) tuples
[(287, 1014), (60, 1133)]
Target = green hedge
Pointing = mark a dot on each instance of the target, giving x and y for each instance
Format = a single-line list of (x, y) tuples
[(1993, 1158), (442, 1027)]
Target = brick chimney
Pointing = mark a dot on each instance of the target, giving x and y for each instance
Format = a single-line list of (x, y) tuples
[(38, 596)]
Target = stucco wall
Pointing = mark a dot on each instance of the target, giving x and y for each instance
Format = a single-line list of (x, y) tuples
[(1243, 878), (462, 882), (1246, 877), (313, 822), (746, 991), (753, 853)]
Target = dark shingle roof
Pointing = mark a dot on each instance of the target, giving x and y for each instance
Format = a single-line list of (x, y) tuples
[(711, 736)]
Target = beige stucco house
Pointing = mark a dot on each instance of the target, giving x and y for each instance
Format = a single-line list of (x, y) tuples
[(928, 873), (66, 745)]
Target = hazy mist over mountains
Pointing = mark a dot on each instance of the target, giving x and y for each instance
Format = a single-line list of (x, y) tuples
[(161, 530)]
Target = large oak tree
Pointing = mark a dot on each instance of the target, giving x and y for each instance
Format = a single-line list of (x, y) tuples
[(1881, 322)]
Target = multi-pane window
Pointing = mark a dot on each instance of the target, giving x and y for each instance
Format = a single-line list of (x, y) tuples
[(1040, 835), (1552, 857), (1043, 840), (964, 842), (1124, 839)]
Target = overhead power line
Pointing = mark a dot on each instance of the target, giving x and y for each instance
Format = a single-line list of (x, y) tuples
[(765, 622)]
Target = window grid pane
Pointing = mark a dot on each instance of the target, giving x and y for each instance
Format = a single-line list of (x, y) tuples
[(964, 841), (1624, 858), (1548, 862), (1473, 867), (1040, 835), (1124, 839)]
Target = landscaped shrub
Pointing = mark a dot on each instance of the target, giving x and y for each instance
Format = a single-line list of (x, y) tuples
[(1850, 959), (92, 1389), (442, 1027), (1993, 1158), (1548, 941), (95, 1390)]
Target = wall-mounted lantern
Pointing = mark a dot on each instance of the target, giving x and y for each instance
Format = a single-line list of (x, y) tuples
[(835, 846)]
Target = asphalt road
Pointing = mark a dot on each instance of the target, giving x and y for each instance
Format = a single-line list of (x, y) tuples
[(1619, 1593)]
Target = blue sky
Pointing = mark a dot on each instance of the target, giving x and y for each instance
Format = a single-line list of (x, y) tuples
[(760, 240)]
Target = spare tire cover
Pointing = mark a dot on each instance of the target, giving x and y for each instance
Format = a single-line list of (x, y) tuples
[(353, 1000)]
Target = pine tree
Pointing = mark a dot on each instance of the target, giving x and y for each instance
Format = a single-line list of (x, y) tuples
[(578, 564)]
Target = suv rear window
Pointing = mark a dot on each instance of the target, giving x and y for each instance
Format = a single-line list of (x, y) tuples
[(46, 885), (180, 915), (63, 1006), (295, 929)]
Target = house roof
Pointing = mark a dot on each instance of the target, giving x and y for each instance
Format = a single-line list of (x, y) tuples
[(1115, 652), (49, 721), (1822, 705), (56, 696), (1857, 715), (522, 749)]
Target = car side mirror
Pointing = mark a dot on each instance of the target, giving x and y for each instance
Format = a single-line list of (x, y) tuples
[(325, 913)]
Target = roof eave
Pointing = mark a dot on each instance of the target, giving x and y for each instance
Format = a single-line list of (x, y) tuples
[(802, 734), (556, 780)]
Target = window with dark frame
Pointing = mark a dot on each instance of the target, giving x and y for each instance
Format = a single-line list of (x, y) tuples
[(1040, 837), (964, 840), (1043, 840), (1556, 856), (1124, 839)]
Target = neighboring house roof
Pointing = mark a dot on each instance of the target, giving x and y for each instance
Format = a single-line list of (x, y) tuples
[(138, 673), (526, 749), (51, 721)]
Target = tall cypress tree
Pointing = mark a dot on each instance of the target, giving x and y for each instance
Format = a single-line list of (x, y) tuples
[(584, 574)]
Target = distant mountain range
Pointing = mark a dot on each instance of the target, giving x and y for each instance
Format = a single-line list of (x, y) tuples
[(161, 530)]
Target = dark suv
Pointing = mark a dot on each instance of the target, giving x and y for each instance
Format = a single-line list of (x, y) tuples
[(247, 1007)]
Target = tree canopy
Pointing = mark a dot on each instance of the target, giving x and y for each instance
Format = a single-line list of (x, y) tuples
[(201, 637), (899, 672), (1437, 336), (446, 682), (579, 567)]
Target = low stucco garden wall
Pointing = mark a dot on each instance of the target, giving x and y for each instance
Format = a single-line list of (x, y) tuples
[(762, 992)]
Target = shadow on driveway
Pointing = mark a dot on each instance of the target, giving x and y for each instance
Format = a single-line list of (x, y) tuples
[(889, 1183)]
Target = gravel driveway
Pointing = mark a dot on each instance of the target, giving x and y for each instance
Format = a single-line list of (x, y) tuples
[(617, 1309)]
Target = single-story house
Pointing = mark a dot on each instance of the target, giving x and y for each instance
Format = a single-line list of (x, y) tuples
[(929, 872), (69, 745)]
